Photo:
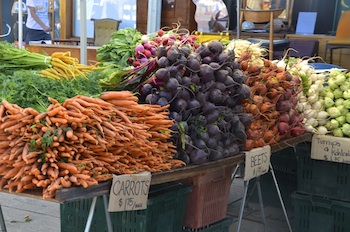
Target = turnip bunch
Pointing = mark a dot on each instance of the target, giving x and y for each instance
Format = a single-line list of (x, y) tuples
[(335, 98), (309, 104), (247, 52)]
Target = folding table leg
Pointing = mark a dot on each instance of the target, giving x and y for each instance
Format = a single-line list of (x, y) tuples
[(246, 185), (91, 214), (2, 221), (235, 172), (280, 197), (108, 216)]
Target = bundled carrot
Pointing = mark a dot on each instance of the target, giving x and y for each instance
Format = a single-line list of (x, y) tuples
[(62, 65), (58, 65), (82, 142)]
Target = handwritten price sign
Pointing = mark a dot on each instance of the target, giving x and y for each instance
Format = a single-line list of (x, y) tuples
[(129, 192), (330, 148), (257, 162)]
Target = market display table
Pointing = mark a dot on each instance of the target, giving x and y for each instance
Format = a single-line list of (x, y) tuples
[(274, 148), (102, 189), (78, 193)]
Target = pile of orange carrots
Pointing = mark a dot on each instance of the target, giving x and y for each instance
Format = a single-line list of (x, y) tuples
[(82, 141)]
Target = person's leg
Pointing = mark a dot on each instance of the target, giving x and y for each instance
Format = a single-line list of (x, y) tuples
[(36, 35), (28, 35)]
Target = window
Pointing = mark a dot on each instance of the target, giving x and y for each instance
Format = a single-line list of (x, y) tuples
[(207, 10), (124, 10)]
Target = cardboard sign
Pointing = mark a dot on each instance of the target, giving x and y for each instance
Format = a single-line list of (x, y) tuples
[(129, 192), (330, 148), (257, 162)]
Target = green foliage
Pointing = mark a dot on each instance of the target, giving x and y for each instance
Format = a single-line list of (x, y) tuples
[(27, 88), (12, 57), (121, 46)]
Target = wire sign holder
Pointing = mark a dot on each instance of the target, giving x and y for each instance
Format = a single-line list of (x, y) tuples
[(257, 163)]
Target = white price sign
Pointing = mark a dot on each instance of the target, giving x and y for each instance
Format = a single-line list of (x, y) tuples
[(257, 162), (330, 148), (129, 192)]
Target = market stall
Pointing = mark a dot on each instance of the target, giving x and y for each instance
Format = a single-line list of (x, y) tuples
[(74, 194), (186, 112)]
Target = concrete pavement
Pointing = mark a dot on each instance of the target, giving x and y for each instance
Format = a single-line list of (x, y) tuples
[(25, 214)]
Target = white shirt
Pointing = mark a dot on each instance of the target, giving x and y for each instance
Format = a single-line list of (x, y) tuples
[(42, 11)]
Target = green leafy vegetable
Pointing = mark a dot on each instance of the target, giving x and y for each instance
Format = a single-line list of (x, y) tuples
[(121, 46), (27, 88), (12, 57)]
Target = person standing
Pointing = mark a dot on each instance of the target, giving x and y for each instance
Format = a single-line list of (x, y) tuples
[(37, 25)]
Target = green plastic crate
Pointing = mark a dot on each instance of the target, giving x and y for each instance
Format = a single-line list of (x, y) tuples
[(315, 214), (284, 164), (323, 178), (220, 226), (165, 212)]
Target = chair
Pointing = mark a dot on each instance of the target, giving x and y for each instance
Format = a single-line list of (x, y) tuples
[(342, 36), (103, 30), (257, 14), (261, 16)]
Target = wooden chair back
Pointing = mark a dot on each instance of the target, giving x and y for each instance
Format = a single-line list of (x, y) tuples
[(103, 30)]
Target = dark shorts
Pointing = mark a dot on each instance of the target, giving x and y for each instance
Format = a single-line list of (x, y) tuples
[(36, 35)]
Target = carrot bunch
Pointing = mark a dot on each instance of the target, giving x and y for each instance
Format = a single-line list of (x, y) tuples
[(63, 65), (82, 142)]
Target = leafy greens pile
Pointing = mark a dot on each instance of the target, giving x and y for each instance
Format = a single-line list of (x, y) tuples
[(28, 89), (119, 48)]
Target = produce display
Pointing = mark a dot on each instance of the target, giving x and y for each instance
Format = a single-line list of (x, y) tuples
[(273, 99), (58, 65), (326, 103), (82, 141), (204, 89), (201, 83), (153, 102)]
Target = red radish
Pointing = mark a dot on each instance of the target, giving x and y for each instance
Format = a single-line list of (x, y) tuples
[(284, 117), (283, 128), (139, 48), (296, 131), (130, 60), (136, 63), (147, 46), (147, 53), (160, 32)]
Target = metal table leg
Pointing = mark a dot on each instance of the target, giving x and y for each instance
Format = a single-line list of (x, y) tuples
[(261, 203), (257, 184), (280, 197), (235, 172), (2, 221), (246, 185), (108, 216), (91, 214)]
